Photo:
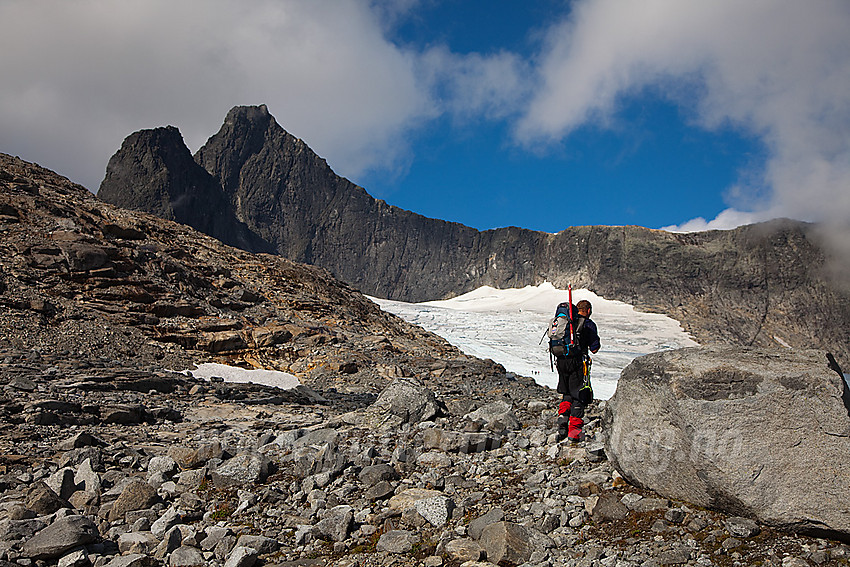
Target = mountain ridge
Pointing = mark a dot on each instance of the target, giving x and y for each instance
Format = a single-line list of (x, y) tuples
[(741, 287)]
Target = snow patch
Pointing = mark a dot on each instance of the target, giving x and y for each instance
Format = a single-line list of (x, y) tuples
[(282, 380)]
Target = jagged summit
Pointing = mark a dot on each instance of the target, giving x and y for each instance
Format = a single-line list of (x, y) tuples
[(735, 287), (155, 172)]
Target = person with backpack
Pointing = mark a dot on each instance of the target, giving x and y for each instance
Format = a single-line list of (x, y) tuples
[(579, 337)]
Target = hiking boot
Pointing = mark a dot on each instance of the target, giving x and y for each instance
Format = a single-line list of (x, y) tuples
[(561, 434), (574, 432), (563, 426)]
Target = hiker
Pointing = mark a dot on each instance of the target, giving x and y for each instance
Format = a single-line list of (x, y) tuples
[(571, 373)]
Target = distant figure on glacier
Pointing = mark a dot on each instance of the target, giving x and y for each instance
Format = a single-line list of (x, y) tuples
[(573, 367)]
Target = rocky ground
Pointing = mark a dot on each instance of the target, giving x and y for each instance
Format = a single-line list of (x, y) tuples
[(115, 464), (398, 449)]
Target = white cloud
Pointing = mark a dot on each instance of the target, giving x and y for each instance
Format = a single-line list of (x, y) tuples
[(780, 70), (475, 85), (79, 76), (726, 220)]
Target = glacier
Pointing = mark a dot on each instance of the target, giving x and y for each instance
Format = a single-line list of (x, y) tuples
[(507, 325)]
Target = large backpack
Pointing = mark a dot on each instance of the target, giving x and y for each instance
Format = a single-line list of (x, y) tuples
[(564, 330)]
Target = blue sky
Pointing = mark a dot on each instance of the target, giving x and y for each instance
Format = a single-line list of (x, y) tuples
[(545, 114)]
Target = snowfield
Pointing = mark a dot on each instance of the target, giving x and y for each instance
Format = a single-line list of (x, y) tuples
[(506, 325)]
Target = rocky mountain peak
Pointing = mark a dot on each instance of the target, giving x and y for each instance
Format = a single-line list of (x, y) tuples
[(159, 156), (248, 136), (155, 172), (288, 197)]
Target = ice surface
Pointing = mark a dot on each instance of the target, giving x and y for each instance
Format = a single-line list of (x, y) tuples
[(282, 380), (507, 325)]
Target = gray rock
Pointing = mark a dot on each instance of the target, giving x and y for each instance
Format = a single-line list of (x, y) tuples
[(241, 470), (407, 399), (397, 541), (477, 525), (372, 475), (741, 527), (137, 495), (242, 557), (60, 537), (437, 509), (464, 549), (736, 430), (506, 542), (336, 524), (186, 556)]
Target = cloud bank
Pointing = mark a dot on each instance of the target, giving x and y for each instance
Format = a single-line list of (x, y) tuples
[(777, 70), (80, 75)]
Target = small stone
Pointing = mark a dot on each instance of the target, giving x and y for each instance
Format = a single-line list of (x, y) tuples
[(477, 525), (437, 510), (242, 557), (506, 542), (186, 556), (60, 537), (741, 527), (464, 549), (397, 541)]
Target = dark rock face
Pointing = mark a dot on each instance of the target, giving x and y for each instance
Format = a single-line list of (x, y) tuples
[(760, 285), (154, 172)]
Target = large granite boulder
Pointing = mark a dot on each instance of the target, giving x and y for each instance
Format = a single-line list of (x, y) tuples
[(757, 433)]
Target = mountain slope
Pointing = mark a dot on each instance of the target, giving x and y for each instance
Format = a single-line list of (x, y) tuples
[(761, 285), (86, 278)]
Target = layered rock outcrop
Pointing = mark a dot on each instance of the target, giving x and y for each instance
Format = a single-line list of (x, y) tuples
[(759, 433), (760, 285)]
